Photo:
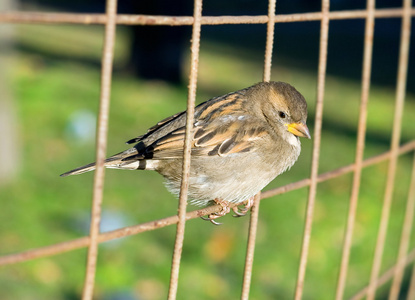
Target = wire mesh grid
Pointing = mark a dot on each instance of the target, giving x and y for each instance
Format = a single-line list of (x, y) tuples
[(405, 256)]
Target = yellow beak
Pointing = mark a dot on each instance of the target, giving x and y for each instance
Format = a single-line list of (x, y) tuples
[(299, 129)]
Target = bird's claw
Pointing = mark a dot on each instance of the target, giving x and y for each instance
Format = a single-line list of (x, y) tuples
[(225, 210), (211, 219), (241, 210)]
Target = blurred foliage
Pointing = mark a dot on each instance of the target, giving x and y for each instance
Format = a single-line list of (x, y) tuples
[(57, 75)]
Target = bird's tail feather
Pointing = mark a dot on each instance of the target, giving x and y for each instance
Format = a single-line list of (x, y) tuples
[(117, 161), (80, 170)]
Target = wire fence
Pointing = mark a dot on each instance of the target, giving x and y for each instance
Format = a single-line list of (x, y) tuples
[(405, 257)]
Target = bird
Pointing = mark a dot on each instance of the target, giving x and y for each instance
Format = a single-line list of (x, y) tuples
[(241, 141)]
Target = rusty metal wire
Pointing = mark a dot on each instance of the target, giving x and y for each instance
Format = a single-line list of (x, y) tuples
[(270, 40), (360, 146), (111, 19), (194, 64), (324, 35), (101, 146), (122, 19), (405, 237), (386, 276), (411, 291), (396, 134), (253, 224), (249, 258)]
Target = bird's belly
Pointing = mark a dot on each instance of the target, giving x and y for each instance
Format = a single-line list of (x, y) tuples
[(245, 180)]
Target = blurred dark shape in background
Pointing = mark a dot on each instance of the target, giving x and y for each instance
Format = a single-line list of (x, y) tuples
[(157, 50), (162, 57)]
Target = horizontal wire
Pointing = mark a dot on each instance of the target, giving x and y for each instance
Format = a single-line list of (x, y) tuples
[(124, 19), (155, 224)]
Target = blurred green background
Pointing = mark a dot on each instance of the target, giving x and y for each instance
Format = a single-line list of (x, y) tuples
[(55, 79)]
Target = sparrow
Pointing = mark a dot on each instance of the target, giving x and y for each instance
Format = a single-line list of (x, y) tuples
[(241, 142)]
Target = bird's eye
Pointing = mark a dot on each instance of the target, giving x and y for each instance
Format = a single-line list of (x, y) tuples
[(282, 114)]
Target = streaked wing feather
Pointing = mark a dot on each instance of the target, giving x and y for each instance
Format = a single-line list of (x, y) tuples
[(221, 128), (229, 138)]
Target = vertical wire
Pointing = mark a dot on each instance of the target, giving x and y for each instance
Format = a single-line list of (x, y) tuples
[(270, 41), (101, 141), (405, 237), (249, 259), (360, 146), (178, 246), (253, 225), (396, 134), (411, 290), (324, 31), (385, 277), (410, 205)]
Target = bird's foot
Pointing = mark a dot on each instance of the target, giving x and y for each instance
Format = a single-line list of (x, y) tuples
[(242, 209), (225, 209)]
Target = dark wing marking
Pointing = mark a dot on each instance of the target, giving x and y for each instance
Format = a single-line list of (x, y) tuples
[(156, 127)]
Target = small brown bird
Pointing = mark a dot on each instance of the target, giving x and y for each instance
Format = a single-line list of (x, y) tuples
[(242, 141)]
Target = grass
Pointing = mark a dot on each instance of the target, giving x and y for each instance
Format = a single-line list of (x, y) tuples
[(54, 81)]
